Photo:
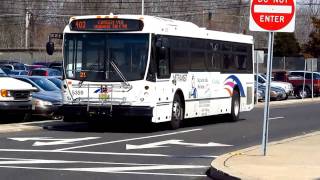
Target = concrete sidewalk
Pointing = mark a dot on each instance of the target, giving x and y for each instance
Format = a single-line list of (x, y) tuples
[(294, 158)]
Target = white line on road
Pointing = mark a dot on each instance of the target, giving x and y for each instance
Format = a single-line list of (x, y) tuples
[(9, 161), (131, 139), (141, 173), (40, 122), (276, 118), (107, 153)]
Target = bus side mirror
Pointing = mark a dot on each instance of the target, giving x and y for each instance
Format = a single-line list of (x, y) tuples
[(50, 48)]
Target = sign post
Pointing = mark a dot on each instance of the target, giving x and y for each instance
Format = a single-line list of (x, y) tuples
[(259, 58), (271, 16)]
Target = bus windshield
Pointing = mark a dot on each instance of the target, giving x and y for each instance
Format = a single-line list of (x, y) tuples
[(88, 56)]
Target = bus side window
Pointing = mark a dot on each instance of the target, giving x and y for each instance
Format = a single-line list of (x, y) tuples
[(163, 62)]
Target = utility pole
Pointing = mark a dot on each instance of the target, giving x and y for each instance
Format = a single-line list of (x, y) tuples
[(28, 17)]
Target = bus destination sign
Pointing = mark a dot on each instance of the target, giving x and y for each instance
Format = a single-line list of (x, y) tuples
[(113, 25)]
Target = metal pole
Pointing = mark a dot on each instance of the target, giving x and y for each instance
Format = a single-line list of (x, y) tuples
[(267, 95), (304, 79), (142, 7), (27, 32), (312, 78), (257, 72)]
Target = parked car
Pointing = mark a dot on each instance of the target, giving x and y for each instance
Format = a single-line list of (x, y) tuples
[(13, 65), (18, 72), (59, 68), (15, 97), (6, 70), (49, 64), (7, 66), (45, 72), (276, 93), (48, 99), (284, 85), (30, 67), (296, 78)]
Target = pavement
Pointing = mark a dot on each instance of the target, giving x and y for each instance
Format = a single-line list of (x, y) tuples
[(17, 127), (293, 158)]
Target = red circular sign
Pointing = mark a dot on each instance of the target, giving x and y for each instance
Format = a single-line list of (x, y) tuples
[(272, 15)]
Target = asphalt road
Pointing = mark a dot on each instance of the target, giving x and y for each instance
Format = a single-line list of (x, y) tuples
[(131, 151)]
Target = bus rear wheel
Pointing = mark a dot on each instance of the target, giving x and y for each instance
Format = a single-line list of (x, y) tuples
[(177, 113), (235, 107)]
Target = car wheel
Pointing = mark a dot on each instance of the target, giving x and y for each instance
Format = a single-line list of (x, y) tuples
[(177, 113), (303, 94)]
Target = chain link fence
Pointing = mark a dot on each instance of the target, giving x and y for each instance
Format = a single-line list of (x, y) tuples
[(290, 64)]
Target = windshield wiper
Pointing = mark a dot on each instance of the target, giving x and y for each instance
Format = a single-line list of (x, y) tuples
[(115, 67)]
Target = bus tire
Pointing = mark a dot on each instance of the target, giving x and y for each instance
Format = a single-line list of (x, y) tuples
[(235, 107), (177, 113)]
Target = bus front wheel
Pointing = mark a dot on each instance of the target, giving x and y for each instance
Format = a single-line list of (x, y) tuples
[(177, 112)]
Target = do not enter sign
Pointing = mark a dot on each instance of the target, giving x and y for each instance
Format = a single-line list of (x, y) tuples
[(272, 15)]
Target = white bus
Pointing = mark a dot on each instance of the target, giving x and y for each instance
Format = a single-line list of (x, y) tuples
[(161, 69)]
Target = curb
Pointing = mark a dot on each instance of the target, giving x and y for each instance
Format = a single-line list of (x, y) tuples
[(9, 128), (220, 170), (290, 101)]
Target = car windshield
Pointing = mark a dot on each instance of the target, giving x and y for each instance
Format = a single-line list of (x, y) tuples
[(89, 56), (45, 84), (56, 81)]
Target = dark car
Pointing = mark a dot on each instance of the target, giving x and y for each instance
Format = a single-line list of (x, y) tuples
[(276, 93), (30, 67), (49, 64), (48, 99), (13, 65), (18, 72), (45, 72)]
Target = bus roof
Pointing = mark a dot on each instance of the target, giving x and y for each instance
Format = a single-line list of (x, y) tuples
[(164, 26)]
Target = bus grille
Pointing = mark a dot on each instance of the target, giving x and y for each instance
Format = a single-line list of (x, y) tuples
[(20, 95)]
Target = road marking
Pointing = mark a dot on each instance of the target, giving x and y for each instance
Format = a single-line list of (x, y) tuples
[(173, 142), (141, 173), (43, 141), (14, 160), (276, 118), (109, 153), (125, 169), (40, 122), (135, 168), (131, 139)]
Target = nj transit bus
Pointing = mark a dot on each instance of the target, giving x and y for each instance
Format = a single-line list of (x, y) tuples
[(153, 68)]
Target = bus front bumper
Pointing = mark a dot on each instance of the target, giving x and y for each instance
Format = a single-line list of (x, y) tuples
[(114, 111)]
